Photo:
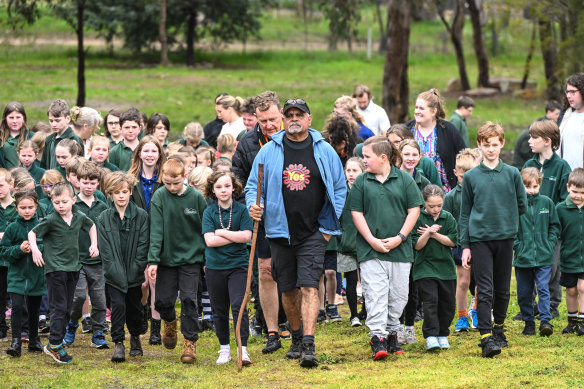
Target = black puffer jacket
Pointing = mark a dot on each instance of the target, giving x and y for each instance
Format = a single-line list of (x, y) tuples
[(450, 142), (246, 151)]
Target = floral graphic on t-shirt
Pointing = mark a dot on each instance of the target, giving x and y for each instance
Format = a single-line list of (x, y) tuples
[(296, 176)]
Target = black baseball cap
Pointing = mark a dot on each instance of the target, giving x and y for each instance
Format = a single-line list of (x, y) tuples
[(296, 103)]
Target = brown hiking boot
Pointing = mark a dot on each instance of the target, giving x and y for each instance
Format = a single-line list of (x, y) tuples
[(169, 334), (189, 352)]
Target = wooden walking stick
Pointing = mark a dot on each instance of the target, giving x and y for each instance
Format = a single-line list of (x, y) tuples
[(254, 238)]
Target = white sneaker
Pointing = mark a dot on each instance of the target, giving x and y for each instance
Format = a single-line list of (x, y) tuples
[(355, 322), (469, 311), (410, 336), (401, 336), (359, 289), (224, 357), (245, 360)]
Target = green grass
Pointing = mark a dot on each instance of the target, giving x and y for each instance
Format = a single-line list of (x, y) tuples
[(344, 356)]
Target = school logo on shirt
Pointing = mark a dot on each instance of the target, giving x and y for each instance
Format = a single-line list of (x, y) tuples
[(296, 176), (543, 211), (190, 211)]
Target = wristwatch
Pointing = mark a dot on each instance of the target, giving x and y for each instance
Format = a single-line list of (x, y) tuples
[(402, 236)]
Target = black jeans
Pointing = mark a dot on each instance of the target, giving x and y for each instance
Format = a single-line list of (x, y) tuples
[(61, 288), (439, 298), (226, 289), (126, 309), (171, 280), (3, 298), (351, 291), (33, 304), (491, 266)]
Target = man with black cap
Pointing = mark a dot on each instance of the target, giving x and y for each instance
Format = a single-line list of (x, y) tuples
[(303, 195)]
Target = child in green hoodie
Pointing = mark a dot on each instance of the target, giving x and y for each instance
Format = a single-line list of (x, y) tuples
[(572, 251), (176, 255), (26, 282), (539, 229)]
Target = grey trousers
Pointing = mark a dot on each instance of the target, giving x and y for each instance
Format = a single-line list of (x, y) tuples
[(385, 288), (90, 278)]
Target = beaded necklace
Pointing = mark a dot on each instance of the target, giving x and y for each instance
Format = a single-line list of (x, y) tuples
[(230, 214)]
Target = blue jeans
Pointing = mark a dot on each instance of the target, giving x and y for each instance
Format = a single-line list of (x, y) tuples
[(526, 277)]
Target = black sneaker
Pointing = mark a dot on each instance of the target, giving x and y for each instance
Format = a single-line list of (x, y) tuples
[(119, 353), (59, 354), (363, 314), (378, 348), (273, 344), (295, 351), (580, 329), (499, 336), (208, 324), (529, 328), (255, 327), (392, 344), (490, 347), (572, 326), (321, 318), (86, 325), (24, 336), (545, 328), (43, 327), (308, 356), (333, 313), (518, 317)]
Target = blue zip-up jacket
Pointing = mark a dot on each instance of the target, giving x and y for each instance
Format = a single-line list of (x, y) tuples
[(331, 170)]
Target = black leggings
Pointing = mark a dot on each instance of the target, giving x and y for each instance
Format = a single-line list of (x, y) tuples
[(351, 291), (409, 314), (33, 304)]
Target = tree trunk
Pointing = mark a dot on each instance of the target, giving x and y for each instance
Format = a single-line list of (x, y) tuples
[(529, 57), (299, 7), (395, 74), (162, 34), (382, 31), (455, 32), (549, 52), (80, 55), (477, 35), (191, 25)]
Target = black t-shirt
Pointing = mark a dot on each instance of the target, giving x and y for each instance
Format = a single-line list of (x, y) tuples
[(303, 189)]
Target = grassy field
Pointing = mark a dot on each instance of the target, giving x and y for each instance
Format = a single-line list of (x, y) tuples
[(36, 74), (344, 356)]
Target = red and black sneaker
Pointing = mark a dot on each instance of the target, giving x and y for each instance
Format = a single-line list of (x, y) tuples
[(378, 348), (392, 344)]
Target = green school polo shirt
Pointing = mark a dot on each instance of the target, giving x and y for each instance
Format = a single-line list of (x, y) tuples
[(92, 212), (121, 156), (61, 241), (10, 155), (435, 260), (385, 207), (232, 255)]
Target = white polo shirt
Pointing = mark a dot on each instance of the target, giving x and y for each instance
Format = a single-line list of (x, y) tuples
[(375, 118)]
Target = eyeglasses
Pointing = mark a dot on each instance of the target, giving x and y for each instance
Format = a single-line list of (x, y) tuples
[(295, 101), (113, 123), (571, 91)]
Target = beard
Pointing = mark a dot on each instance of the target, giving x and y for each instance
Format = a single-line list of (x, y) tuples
[(294, 128)]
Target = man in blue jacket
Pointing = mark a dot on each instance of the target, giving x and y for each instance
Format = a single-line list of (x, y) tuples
[(303, 195)]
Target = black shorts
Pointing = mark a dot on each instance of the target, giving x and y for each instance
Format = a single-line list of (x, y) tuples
[(570, 280), (330, 260), (457, 255), (262, 244), (299, 265)]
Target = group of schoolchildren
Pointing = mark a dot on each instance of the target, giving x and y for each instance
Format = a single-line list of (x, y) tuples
[(168, 214)]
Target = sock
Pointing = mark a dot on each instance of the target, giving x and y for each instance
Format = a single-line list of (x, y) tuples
[(330, 305), (243, 349), (308, 339), (297, 334), (462, 313), (55, 346), (410, 328), (572, 315), (474, 306), (206, 301), (42, 317), (224, 347), (274, 333), (85, 316)]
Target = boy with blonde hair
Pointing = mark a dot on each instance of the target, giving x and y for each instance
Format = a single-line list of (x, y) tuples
[(176, 255), (465, 161), (493, 198), (539, 229)]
